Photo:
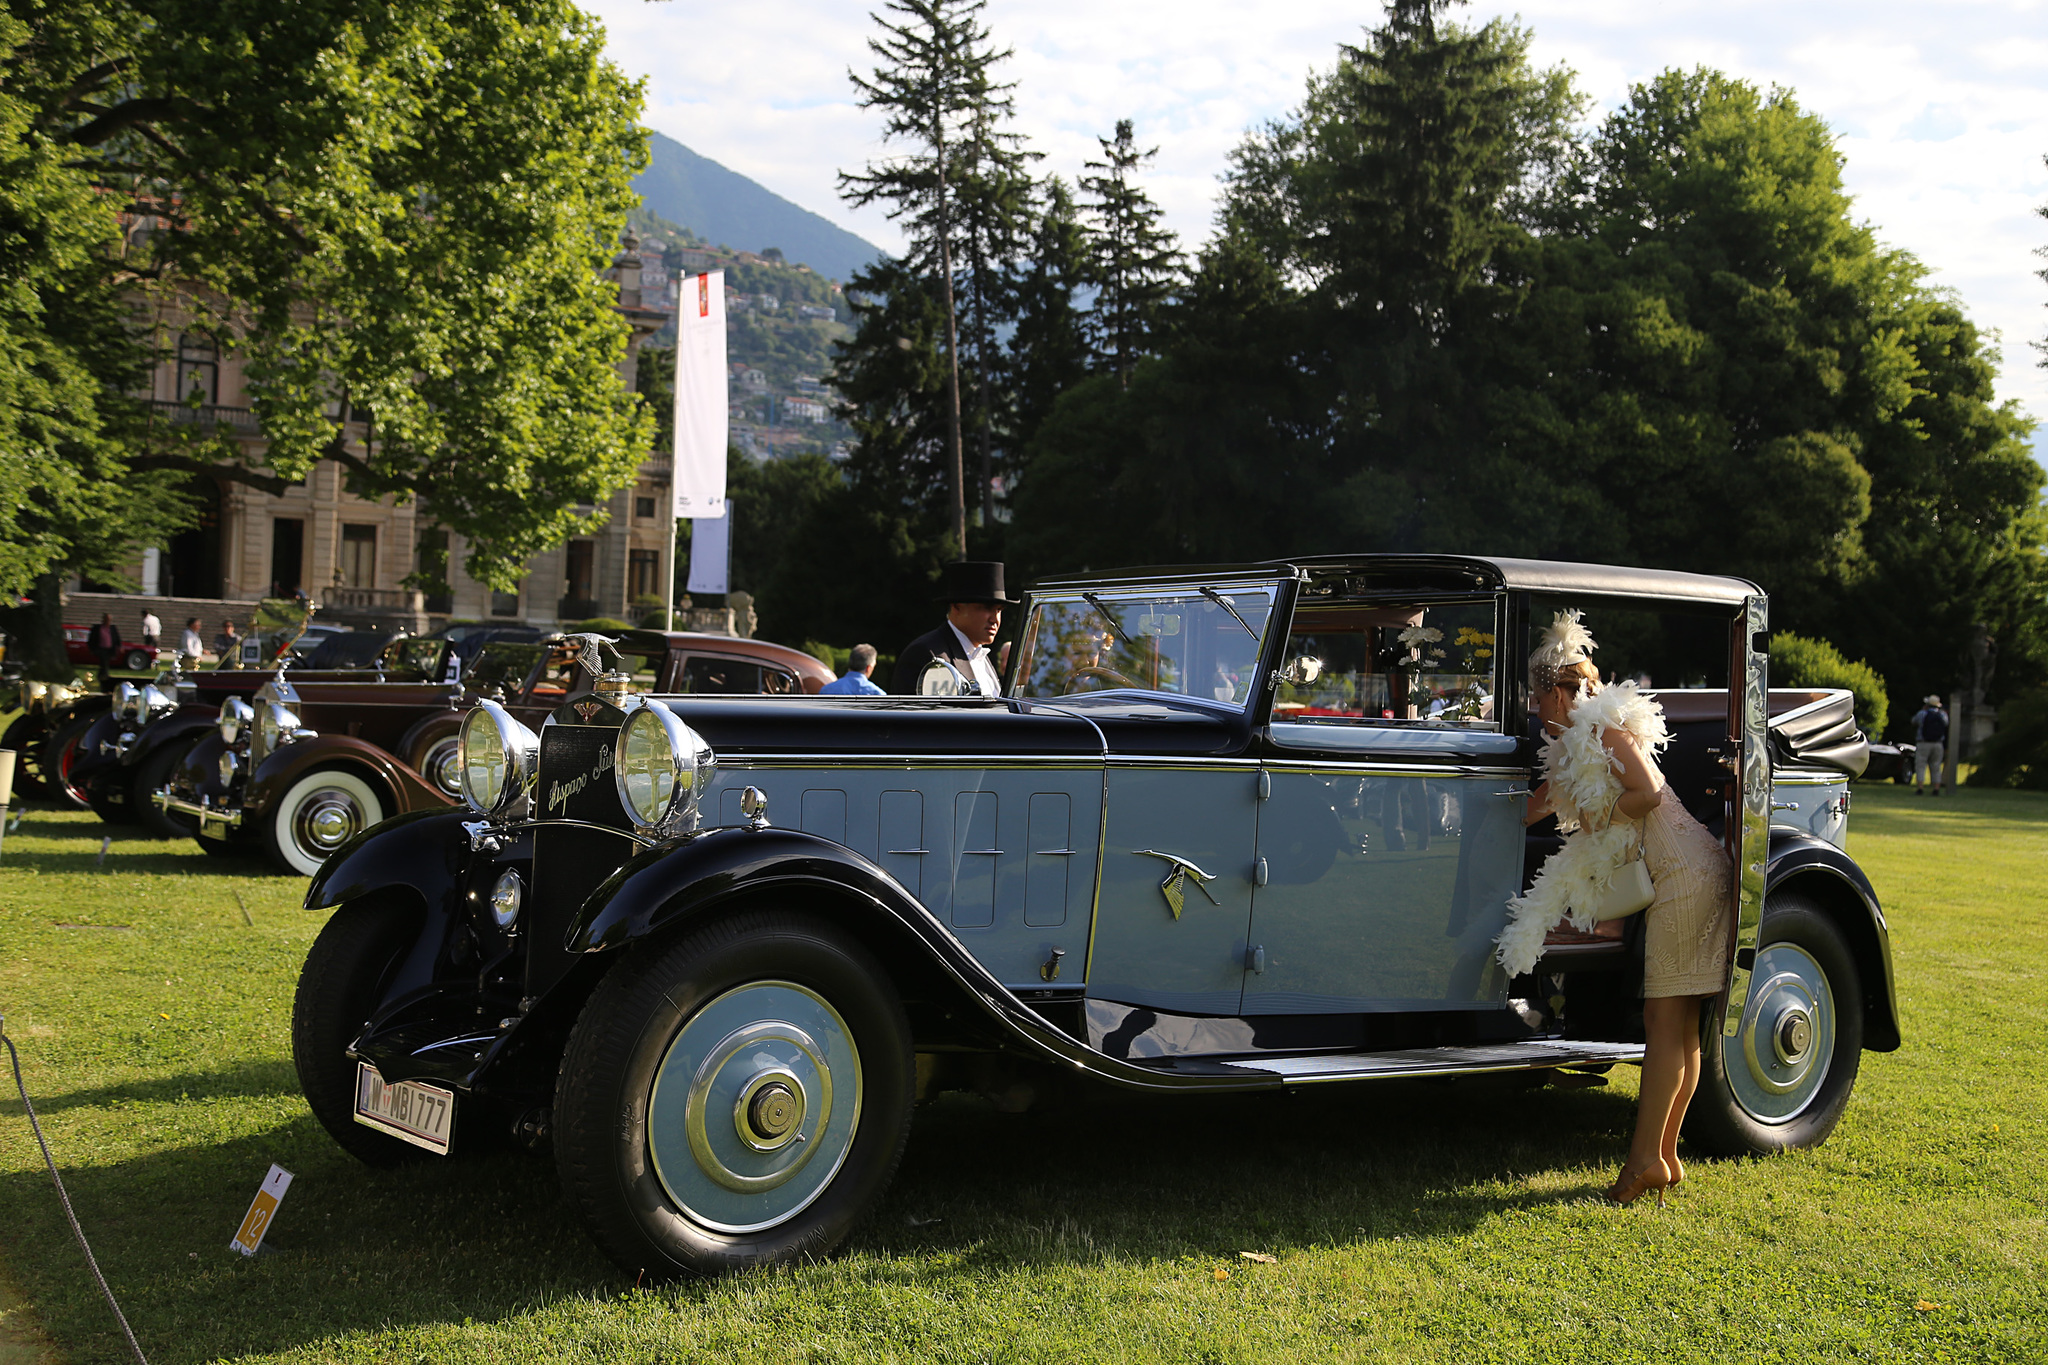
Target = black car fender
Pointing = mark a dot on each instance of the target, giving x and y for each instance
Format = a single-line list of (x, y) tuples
[(671, 885), (425, 853), (180, 725), (1817, 869)]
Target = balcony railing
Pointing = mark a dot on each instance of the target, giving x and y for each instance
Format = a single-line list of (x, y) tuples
[(373, 599), (207, 415)]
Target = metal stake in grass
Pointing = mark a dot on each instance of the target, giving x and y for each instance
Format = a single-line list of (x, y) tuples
[(105, 844), (243, 908)]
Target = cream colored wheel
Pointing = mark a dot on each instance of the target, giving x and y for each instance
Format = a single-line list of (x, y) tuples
[(317, 815)]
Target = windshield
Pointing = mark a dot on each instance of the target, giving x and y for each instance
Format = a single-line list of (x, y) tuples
[(1195, 642)]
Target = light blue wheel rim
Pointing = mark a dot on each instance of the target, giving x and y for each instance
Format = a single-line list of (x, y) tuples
[(1772, 1082), (754, 1107)]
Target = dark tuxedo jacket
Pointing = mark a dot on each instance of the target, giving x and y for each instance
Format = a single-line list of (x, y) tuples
[(918, 654)]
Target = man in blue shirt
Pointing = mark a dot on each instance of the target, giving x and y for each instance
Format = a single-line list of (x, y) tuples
[(855, 682), (1930, 739)]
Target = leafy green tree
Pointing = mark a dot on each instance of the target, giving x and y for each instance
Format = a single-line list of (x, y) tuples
[(1133, 261), (397, 212), (1048, 351), (1799, 661)]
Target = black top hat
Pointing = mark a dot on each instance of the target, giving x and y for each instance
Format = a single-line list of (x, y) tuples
[(973, 580)]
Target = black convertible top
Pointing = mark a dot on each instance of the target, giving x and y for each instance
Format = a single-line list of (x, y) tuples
[(1476, 571)]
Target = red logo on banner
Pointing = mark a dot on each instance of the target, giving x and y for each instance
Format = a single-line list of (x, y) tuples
[(704, 295)]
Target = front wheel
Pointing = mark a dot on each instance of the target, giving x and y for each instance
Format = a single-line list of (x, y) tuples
[(60, 757), (1784, 1079), (345, 975), (152, 775), (318, 814), (737, 1097)]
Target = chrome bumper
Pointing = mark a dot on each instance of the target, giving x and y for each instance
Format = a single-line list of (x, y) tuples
[(230, 816)]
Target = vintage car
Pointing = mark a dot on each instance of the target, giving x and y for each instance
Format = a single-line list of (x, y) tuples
[(306, 764), (41, 709), (130, 747), (1229, 829), (133, 654)]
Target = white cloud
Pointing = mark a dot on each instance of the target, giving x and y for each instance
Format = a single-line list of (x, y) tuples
[(1939, 110)]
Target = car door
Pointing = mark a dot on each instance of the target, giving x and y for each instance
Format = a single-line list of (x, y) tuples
[(1390, 835)]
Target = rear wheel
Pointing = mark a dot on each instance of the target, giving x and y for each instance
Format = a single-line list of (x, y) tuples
[(439, 760), (737, 1097), (135, 660), (1784, 1079), (318, 814), (24, 736), (345, 975)]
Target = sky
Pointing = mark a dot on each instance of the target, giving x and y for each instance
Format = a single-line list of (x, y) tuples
[(1940, 110)]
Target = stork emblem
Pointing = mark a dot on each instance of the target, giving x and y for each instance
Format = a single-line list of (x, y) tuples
[(587, 709), (1181, 872)]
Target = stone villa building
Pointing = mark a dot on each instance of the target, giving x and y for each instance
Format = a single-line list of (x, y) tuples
[(351, 554)]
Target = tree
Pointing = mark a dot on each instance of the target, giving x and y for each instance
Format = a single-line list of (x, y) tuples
[(395, 212), (1048, 350), (1133, 261), (938, 95)]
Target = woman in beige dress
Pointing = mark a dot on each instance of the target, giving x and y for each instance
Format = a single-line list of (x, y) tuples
[(1601, 776)]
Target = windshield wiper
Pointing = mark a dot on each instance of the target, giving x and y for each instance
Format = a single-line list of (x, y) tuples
[(1220, 600), (1103, 612)]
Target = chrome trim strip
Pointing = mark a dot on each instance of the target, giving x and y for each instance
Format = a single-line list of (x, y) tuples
[(1799, 779), (482, 833), (1341, 768), (1753, 847), (771, 762)]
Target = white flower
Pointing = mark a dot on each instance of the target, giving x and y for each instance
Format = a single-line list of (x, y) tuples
[(1416, 636)]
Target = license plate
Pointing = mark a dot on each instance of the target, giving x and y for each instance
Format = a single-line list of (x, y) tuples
[(423, 1115)]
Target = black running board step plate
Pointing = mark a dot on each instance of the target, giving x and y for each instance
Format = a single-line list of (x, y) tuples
[(1438, 1061)]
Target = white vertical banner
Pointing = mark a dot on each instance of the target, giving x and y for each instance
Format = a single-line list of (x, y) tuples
[(700, 399), (710, 553)]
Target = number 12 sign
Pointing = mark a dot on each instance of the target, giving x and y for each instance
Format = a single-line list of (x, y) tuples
[(262, 1209)]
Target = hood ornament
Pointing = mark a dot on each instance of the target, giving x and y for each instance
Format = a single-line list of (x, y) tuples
[(588, 709), (1174, 887)]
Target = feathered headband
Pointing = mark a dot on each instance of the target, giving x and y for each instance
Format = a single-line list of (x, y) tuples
[(1564, 643)]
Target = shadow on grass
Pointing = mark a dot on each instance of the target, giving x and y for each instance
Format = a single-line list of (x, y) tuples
[(979, 1193), (244, 1082), (77, 837)]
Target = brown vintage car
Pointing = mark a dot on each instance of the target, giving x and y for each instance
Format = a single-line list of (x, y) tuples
[(305, 766)]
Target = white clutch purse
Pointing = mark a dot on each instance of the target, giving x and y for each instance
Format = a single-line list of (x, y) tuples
[(1630, 890)]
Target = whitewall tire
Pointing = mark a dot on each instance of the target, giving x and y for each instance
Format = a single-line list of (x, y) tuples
[(318, 814)]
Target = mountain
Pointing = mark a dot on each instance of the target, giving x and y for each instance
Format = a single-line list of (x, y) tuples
[(725, 208)]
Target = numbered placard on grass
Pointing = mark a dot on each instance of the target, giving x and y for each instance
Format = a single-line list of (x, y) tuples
[(248, 1238)]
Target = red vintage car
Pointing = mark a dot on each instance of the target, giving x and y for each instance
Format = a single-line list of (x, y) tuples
[(133, 655)]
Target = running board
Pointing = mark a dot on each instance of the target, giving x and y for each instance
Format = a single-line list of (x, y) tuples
[(1418, 1061)]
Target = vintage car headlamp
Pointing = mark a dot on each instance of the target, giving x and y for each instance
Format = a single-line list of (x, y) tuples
[(236, 716), (127, 701), (33, 695), (662, 766), (499, 757), (506, 898), (275, 726), (58, 695), (156, 701), (228, 766)]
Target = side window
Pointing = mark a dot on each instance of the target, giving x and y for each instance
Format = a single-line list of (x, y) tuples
[(1429, 664), (709, 673)]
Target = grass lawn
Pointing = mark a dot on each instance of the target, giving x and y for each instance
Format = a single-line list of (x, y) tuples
[(1448, 1221)]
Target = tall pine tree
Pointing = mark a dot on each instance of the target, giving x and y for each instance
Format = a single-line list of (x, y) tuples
[(1133, 260)]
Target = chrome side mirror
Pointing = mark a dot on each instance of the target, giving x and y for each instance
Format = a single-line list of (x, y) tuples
[(941, 679), (1302, 670)]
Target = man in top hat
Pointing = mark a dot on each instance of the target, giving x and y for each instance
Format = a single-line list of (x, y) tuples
[(974, 596)]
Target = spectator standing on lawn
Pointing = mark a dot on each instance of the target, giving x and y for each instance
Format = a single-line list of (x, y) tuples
[(1930, 740), (152, 629), (104, 640), (226, 643), (191, 645), (858, 679)]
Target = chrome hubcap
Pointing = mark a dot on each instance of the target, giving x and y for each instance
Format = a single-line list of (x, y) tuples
[(1787, 1035), (755, 1106), (443, 766), (327, 820)]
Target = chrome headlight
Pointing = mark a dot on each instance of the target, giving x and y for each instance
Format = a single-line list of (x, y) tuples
[(33, 695), (499, 759), (127, 701), (156, 701), (661, 766), (276, 726), (235, 717)]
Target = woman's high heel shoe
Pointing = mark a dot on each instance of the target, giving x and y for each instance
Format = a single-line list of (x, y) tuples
[(1628, 1189)]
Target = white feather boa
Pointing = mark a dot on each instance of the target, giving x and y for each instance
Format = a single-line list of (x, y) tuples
[(1584, 783)]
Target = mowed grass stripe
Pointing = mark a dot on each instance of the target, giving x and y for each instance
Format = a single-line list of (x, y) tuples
[(1448, 1221)]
